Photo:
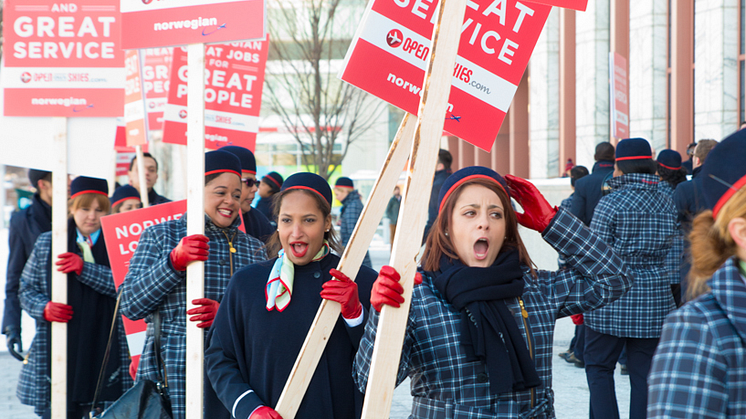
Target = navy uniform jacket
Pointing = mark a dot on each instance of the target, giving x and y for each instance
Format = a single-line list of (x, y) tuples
[(25, 227), (699, 368), (352, 207), (432, 208), (446, 385), (251, 350), (588, 191), (155, 199), (153, 284), (689, 200), (264, 205), (257, 225)]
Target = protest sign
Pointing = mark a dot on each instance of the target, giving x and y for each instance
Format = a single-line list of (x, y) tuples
[(580, 5), (149, 23), (134, 104), (155, 73), (62, 59), (619, 101), (234, 76), (388, 54), (124, 154)]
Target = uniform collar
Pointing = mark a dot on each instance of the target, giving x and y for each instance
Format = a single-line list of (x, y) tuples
[(729, 289), (603, 165), (634, 181)]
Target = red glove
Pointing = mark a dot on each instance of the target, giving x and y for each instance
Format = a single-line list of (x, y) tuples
[(133, 367), (387, 289), (58, 312), (190, 249), (265, 412), (537, 213), (70, 262), (577, 319), (344, 291), (205, 314)]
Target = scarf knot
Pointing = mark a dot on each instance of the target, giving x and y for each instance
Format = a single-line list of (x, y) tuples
[(279, 288)]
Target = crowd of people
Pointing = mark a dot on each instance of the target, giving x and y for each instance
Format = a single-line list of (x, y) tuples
[(652, 269)]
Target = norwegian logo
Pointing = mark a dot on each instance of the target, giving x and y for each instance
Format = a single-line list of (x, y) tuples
[(147, 1), (26, 77), (394, 38), (182, 114)]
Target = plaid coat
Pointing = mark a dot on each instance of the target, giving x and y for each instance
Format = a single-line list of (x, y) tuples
[(152, 283), (675, 257), (33, 383), (445, 385), (352, 207), (638, 222), (699, 368)]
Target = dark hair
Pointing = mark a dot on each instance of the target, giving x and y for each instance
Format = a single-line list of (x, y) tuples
[(132, 162), (646, 166), (576, 173), (673, 177), (445, 158), (211, 177), (604, 151), (274, 245), (439, 244)]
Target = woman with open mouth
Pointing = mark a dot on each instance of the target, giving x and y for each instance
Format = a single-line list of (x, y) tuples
[(481, 323), (269, 307)]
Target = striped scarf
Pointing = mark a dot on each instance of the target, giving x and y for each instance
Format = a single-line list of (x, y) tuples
[(279, 289)]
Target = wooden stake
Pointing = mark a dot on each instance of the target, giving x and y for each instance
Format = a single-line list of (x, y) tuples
[(141, 176), (413, 213), (349, 264), (195, 223), (59, 279)]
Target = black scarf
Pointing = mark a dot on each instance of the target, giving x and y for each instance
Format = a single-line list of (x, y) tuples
[(488, 329)]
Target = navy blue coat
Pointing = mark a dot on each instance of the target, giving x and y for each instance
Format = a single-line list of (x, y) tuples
[(257, 225), (689, 200), (264, 205), (25, 227), (588, 191), (432, 208), (155, 199)]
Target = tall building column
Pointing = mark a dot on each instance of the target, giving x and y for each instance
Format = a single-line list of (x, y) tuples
[(567, 76), (682, 76), (716, 73), (518, 133)]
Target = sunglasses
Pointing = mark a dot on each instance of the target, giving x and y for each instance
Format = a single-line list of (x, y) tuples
[(251, 182)]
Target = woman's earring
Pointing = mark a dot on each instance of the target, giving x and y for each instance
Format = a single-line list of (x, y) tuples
[(327, 230), (446, 234)]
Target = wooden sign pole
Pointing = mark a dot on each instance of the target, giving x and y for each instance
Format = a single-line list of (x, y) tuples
[(349, 264), (59, 279), (413, 213), (195, 337)]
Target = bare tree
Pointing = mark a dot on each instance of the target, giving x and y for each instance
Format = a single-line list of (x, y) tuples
[(308, 40)]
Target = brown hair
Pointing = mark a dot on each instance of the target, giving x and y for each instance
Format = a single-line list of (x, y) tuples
[(711, 242), (85, 200), (703, 149), (439, 244), (274, 245)]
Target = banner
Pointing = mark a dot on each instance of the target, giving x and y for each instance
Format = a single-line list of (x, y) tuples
[(234, 77), (619, 84), (157, 23), (155, 74), (63, 59), (388, 55), (580, 5), (122, 232), (124, 154), (134, 104)]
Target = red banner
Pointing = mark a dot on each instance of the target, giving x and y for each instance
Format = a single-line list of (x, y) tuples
[(580, 5), (619, 95), (134, 105), (155, 74)]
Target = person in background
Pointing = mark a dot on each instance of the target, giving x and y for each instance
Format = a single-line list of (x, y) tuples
[(568, 167), (25, 227), (269, 307), (576, 173), (671, 174), (156, 281), (125, 198), (151, 176), (589, 190), (442, 171), (392, 213), (269, 186), (699, 369), (688, 165), (89, 311), (256, 223), (352, 207)]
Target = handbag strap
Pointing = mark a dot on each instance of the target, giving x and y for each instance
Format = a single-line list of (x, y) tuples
[(157, 349), (106, 354)]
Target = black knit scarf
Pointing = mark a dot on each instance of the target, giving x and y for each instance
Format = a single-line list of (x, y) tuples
[(489, 331)]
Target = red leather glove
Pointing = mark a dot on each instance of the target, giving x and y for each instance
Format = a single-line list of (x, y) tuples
[(344, 291), (134, 363), (537, 213), (265, 412), (205, 314), (58, 312), (387, 289), (70, 262), (577, 319), (190, 249)]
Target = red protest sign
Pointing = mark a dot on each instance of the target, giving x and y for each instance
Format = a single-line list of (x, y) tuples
[(122, 232), (124, 154), (388, 55), (149, 24), (619, 95), (155, 72), (234, 76), (62, 59), (580, 5), (134, 105)]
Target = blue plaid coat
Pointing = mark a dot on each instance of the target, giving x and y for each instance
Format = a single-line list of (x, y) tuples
[(352, 207), (33, 384), (638, 222), (445, 385), (699, 368), (152, 283), (675, 257)]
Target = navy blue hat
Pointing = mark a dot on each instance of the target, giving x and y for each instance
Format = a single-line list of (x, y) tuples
[(83, 185), (344, 182), (724, 171), (670, 159), (124, 193), (248, 161), (36, 175), (466, 174), (274, 180), (309, 182), (633, 149), (220, 161)]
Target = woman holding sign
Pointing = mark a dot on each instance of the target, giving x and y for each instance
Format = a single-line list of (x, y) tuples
[(91, 298), (269, 307), (156, 281), (479, 337)]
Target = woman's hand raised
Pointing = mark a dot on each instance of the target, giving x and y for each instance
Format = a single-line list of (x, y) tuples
[(387, 289), (537, 213)]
